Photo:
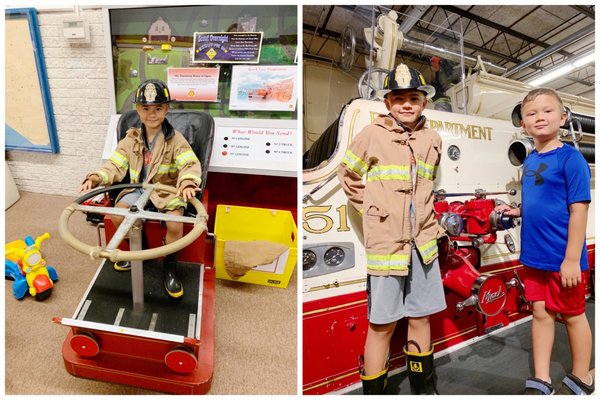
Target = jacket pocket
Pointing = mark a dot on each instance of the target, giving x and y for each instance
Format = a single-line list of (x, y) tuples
[(376, 223)]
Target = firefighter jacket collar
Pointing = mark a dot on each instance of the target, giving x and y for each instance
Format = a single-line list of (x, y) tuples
[(390, 123)]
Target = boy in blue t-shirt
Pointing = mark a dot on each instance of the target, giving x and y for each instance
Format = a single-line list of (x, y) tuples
[(555, 202)]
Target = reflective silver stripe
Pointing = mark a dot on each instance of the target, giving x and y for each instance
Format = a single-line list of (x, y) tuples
[(384, 262), (134, 175), (354, 163), (192, 177), (166, 168), (119, 159), (428, 251), (425, 170), (388, 173), (175, 203), (184, 158), (104, 176)]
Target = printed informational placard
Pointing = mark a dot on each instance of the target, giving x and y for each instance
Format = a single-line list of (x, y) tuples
[(227, 47), (263, 87), (257, 146), (194, 84)]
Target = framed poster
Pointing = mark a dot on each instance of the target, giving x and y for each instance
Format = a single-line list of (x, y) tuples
[(263, 87), (194, 84), (29, 124), (227, 47)]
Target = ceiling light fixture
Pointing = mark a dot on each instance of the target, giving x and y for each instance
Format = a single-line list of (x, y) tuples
[(563, 70)]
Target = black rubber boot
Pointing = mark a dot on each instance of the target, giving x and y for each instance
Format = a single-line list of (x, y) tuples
[(173, 285), (421, 371), (372, 384)]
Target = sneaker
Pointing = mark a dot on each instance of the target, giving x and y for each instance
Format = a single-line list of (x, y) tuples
[(573, 385), (538, 386), (122, 266)]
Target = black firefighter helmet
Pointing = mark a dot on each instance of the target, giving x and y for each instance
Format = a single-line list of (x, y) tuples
[(152, 91), (404, 77)]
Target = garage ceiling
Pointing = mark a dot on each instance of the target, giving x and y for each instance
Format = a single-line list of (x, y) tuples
[(524, 41)]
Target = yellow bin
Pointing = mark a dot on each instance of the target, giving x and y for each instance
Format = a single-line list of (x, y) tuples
[(248, 224)]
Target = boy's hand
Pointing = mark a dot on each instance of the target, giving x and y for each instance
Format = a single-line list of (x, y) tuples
[(508, 210), (88, 185), (188, 192), (570, 273)]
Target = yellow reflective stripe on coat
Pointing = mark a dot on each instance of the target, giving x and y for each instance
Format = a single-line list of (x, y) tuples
[(385, 262), (425, 170), (175, 203), (166, 168), (184, 158), (119, 159), (192, 177), (428, 251), (389, 173), (104, 177), (134, 175), (354, 163)]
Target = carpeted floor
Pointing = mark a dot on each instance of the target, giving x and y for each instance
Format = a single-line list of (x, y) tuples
[(255, 326)]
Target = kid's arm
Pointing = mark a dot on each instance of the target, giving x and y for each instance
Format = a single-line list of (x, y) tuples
[(114, 170), (570, 270), (188, 165), (351, 171)]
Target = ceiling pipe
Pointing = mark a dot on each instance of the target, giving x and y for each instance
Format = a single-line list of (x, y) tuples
[(552, 49), (415, 46), (412, 17)]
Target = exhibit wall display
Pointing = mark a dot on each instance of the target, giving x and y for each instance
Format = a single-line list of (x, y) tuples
[(147, 42)]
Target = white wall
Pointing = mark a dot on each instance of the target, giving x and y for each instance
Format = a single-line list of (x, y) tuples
[(78, 80)]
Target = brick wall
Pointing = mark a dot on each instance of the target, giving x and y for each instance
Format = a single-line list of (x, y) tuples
[(78, 80)]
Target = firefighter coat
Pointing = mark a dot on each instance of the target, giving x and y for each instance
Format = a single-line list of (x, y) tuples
[(173, 163), (376, 175)]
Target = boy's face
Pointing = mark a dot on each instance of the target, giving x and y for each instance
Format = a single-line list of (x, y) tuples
[(152, 115), (543, 117), (406, 105)]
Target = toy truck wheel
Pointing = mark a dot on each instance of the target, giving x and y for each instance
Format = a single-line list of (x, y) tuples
[(181, 360), (85, 344), (44, 295), (132, 216)]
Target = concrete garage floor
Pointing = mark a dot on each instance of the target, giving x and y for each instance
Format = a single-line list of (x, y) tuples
[(498, 364)]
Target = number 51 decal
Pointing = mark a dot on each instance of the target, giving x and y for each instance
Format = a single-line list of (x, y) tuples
[(315, 219)]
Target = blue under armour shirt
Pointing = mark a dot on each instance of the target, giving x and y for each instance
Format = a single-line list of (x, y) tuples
[(551, 182)]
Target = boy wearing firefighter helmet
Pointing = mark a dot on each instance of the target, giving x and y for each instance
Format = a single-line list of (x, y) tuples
[(155, 153), (555, 201), (387, 174)]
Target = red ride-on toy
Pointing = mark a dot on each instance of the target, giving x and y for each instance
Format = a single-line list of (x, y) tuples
[(126, 329)]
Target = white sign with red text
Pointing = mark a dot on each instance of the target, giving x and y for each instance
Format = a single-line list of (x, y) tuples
[(267, 147)]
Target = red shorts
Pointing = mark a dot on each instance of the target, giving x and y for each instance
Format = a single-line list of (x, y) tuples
[(545, 286)]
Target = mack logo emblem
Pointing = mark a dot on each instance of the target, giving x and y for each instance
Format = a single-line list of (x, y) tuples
[(490, 296)]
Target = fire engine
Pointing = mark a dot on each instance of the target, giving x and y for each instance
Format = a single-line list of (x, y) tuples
[(480, 168)]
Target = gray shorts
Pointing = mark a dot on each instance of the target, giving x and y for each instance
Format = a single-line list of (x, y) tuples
[(131, 197), (418, 294)]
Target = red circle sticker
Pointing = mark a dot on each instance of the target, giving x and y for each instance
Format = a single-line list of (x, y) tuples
[(492, 296)]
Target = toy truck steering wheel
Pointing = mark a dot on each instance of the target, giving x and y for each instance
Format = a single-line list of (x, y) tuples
[(132, 216)]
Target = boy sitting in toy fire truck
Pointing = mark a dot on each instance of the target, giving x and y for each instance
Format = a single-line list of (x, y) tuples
[(155, 153)]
